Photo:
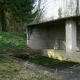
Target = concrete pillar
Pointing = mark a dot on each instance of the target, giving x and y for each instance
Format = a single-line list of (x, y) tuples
[(70, 36)]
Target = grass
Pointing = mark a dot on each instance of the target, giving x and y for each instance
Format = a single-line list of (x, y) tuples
[(13, 71), (52, 63), (13, 41), (8, 69), (49, 62)]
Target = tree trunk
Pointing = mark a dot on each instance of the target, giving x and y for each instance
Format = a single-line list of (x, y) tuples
[(3, 21), (77, 8), (37, 18)]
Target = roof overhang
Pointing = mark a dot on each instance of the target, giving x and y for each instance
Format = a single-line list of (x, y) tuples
[(56, 21)]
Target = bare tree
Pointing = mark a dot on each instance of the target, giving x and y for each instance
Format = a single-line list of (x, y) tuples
[(77, 8), (40, 10), (60, 13), (70, 8)]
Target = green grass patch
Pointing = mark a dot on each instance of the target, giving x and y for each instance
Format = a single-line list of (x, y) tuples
[(52, 63), (8, 69), (13, 41)]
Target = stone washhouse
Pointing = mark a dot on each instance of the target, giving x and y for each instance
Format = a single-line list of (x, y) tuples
[(58, 38)]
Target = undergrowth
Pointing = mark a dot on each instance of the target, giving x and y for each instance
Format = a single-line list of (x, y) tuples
[(13, 41)]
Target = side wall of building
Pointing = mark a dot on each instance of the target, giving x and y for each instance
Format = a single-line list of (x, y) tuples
[(78, 38), (53, 37), (49, 37)]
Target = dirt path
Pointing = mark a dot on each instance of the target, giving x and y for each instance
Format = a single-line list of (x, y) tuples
[(70, 74), (32, 71)]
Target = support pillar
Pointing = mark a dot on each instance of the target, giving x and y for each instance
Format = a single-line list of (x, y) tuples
[(70, 36)]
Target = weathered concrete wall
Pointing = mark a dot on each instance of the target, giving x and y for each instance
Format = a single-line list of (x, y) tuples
[(61, 55), (53, 37), (78, 38), (49, 37), (70, 26)]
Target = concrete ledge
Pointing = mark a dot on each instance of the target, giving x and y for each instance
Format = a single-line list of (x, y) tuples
[(61, 55)]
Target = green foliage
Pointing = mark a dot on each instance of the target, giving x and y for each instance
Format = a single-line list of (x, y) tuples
[(19, 10), (8, 69), (22, 9), (15, 41)]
